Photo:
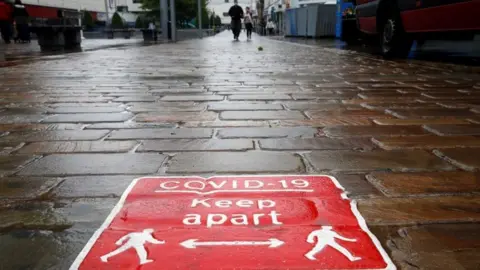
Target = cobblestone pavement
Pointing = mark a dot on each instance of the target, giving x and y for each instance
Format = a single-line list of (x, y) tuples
[(18, 52), (401, 136)]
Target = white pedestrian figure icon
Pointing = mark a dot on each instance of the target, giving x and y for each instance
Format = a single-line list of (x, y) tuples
[(326, 237), (136, 240)]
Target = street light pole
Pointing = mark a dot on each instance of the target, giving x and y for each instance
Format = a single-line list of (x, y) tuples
[(106, 12), (164, 18), (199, 7), (173, 20)]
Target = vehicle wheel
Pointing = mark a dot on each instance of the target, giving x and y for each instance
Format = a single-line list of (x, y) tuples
[(394, 41)]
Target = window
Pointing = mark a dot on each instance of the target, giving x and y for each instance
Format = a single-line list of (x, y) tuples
[(137, 1), (122, 8), (226, 1)]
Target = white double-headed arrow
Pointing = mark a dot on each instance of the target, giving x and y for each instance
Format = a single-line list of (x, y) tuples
[(271, 243)]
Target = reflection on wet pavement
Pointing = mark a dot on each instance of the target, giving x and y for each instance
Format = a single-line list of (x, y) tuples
[(460, 52), (401, 136)]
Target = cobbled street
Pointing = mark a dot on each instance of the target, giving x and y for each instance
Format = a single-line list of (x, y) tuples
[(401, 137)]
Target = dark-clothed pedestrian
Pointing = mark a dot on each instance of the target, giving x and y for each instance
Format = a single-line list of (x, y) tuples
[(6, 20), (236, 13), (20, 16)]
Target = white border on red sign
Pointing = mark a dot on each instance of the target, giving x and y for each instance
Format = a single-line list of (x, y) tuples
[(353, 204)]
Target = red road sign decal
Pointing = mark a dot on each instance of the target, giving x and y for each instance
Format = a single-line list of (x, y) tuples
[(234, 222)]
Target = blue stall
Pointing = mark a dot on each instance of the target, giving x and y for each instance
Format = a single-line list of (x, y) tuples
[(342, 6)]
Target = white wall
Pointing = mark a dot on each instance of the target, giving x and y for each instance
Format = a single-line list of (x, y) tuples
[(91, 5), (132, 7)]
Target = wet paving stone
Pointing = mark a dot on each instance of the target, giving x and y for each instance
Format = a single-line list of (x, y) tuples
[(183, 91), (27, 188), (325, 122), (426, 142), (260, 115), (251, 162), (431, 183), (10, 164), (346, 113), (451, 95), (53, 236), (399, 105), (422, 210), (62, 248), (318, 106), (31, 216), (244, 107), (315, 144), (74, 100), (88, 118), (474, 120), (351, 161), (130, 125), (30, 110), (266, 132), (381, 101), (356, 186), (161, 133), (192, 98), (464, 158), (438, 246), (260, 97), (154, 107), (21, 119), (453, 130), (359, 131), (78, 147), (448, 237), (89, 164), (98, 104), (195, 145), (410, 122), (176, 117), (85, 109), (7, 147), (93, 186), (225, 124), (429, 113), (387, 94), (136, 98), (325, 96), (55, 135)]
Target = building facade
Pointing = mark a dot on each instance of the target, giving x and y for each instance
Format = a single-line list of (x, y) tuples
[(98, 8)]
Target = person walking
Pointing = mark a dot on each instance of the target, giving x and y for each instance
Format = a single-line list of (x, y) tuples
[(248, 21), (20, 16), (6, 20), (270, 27), (236, 13)]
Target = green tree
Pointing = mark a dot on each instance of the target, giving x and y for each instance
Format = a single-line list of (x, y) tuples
[(117, 21), (186, 10), (212, 19), (218, 20), (205, 15), (87, 20), (140, 22)]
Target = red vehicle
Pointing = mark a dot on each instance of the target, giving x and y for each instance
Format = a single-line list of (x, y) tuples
[(397, 23)]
